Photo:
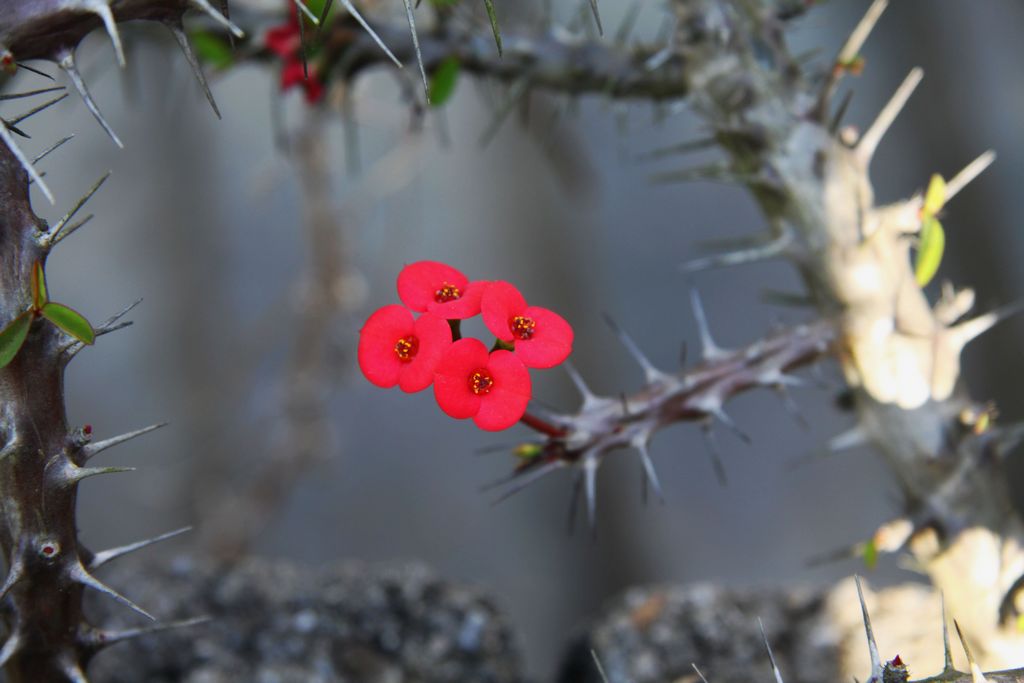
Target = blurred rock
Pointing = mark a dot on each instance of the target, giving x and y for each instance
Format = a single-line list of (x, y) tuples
[(275, 622), (655, 634)]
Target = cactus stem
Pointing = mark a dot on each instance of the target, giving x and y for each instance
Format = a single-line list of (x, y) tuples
[(8, 140)]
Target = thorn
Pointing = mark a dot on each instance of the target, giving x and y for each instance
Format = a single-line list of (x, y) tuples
[(190, 56), (628, 22), (73, 672), (574, 498), (80, 575), (876, 662), (102, 10), (837, 118), (704, 680), (37, 72), (600, 669), (586, 394), (103, 557), (590, 464), (777, 247), (597, 17), (683, 148), (851, 438), (15, 574), (67, 63), (715, 454), (33, 174), (869, 141), (326, 10), (10, 648), (947, 651), (42, 155), (790, 406), (968, 174), (722, 417), (515, 93), (651, 373), (100, 639), (967, 331), (29, 93), (709, 349), (416, 47), (71, 229), (771, 655), (976, 675), (54, 236), (640, 444), (308, 12), (91, 450), (373, 34), (32, 112), (75, 474), (209, 10), (849, 51), (521, 479)]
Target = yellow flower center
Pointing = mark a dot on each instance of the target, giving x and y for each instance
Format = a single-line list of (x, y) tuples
[(481, 382), (522, 327), (447, 293), (406, 348)]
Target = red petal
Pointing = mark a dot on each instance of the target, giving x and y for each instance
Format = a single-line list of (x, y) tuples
[(292, 74), (501, 302), (377, 339), (418, 282), (435, 336), (466, 306), (451, 382), (551, 342), (314, 89), (506, 403), (283, 40)]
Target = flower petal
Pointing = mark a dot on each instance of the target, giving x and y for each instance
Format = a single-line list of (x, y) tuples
[(551, 342), (466, 306), (418, 283), (500, 303), (377, 358), (451, 381), (434, 336), (507, 401)]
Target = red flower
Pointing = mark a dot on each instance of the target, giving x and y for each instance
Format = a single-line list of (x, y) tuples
[(440, 289), (542, 339), (395, 349), (492, 388), (285, 41), (293, 73)]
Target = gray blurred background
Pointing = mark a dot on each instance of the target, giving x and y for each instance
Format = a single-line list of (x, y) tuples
[(203, 219)]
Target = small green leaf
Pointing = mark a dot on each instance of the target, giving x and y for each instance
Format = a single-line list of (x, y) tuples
[(13, 336), (212, 49), (929, 250), (71, 321), (527, 451), (443, 81), (489, 4), (935, 197), (39, 296), (870, 554)]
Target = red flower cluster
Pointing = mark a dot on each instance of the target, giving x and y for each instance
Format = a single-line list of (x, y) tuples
[(285, 41), (491, 386)]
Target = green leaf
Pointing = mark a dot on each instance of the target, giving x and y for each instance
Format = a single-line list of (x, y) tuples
[(870, 554), (935, 197), (39, 296), (929, 250), (212, 49), (443, 81), (13, 336), (71, 321), (489, 4), (527, 451)]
